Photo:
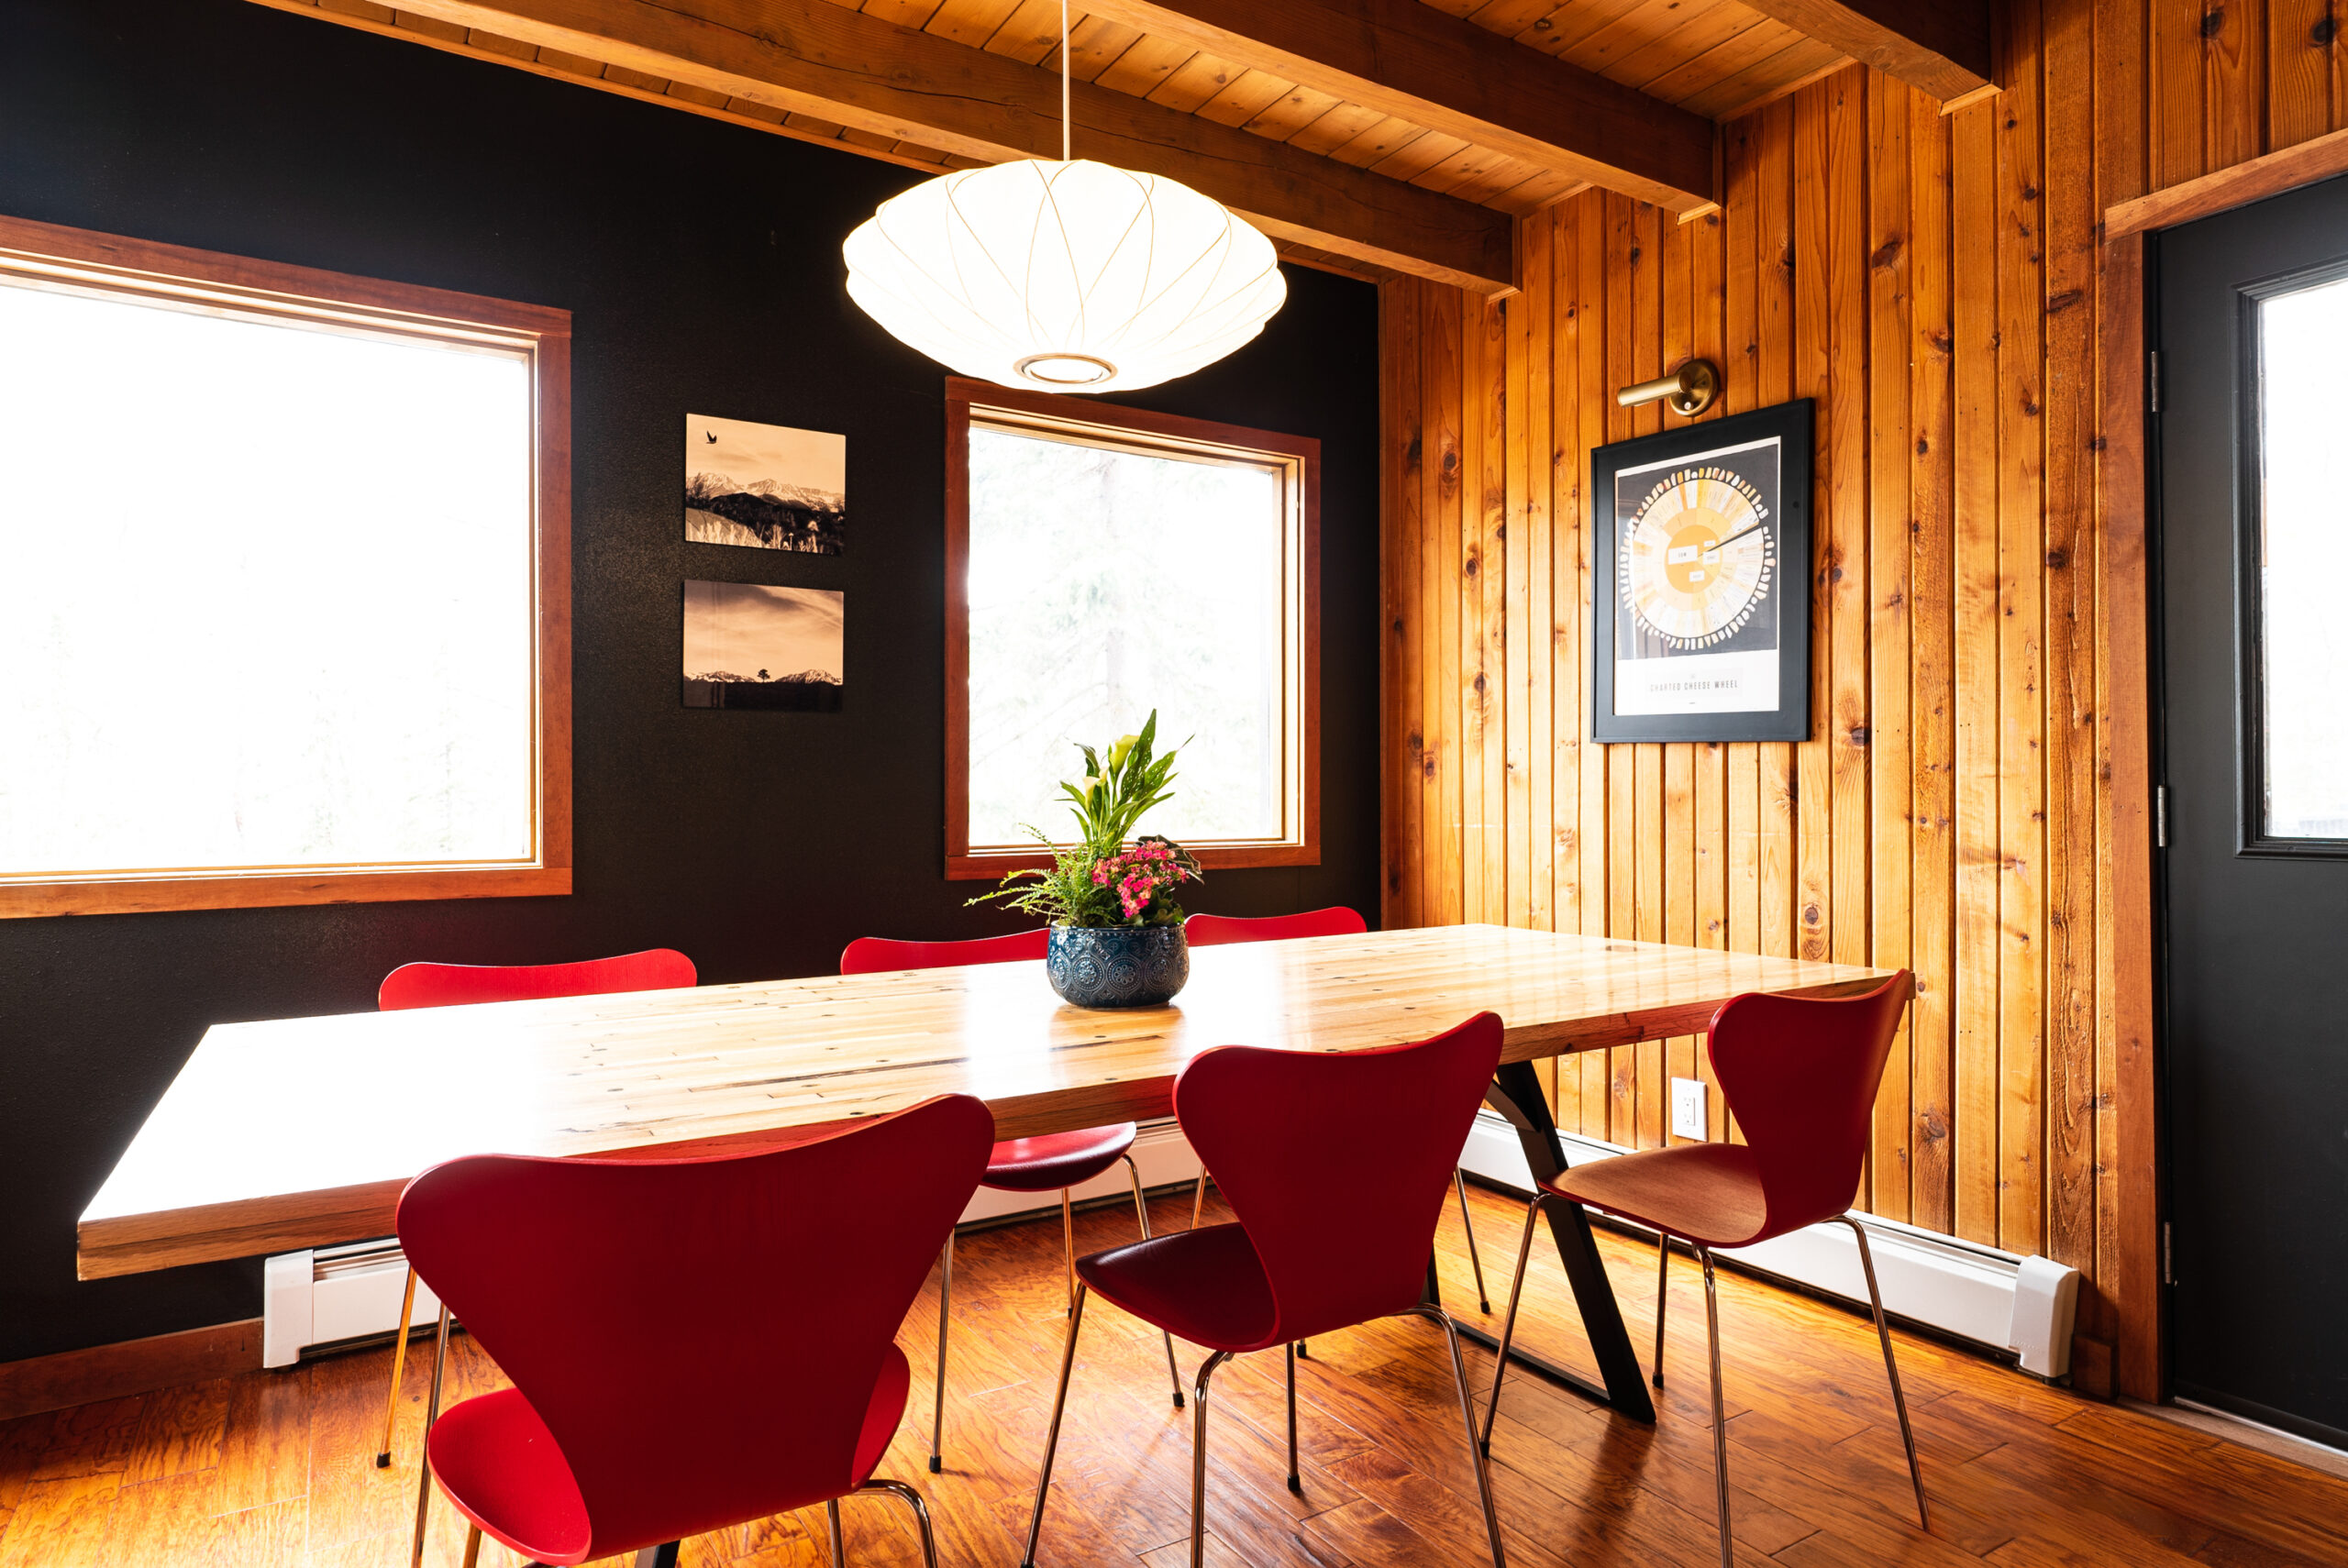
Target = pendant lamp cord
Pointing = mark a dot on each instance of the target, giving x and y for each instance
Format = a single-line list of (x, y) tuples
[(1064, 126)]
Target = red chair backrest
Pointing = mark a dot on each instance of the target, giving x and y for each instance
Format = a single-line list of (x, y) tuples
[(1800, 1074), (879, 955), (701, 1336), (451, 985), (1213, 931), (1338, 1163)]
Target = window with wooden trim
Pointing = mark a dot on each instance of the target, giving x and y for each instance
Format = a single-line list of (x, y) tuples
[(284, 584), (1102, 562)]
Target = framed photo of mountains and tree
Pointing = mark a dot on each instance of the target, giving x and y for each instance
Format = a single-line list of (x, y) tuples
[(1699, 620), (765, 487)]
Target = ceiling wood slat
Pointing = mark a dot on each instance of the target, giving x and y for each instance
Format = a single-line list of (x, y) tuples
[(1298, 109), (1141, 69), (968, 22), (1643, 67), (1335, 128)]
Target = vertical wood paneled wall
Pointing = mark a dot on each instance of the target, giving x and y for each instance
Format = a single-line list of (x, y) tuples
[(1935, 283)]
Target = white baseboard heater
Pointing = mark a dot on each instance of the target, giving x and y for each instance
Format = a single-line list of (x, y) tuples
[(326, 1299), (329, 1296), (1997, 1299)]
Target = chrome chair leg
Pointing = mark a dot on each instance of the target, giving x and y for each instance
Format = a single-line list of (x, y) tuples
[(1068, 1238), (399, 1370), (1719, 1412), (945, 1309), (921, 1515), (832, 1528), (1508, 1324), (1662, 1297), (1199, 1198), (661, 1556), (1442, 1319), (1892, 1367), (1199, 1460), (1141, 1208), (1295, 1482), (1052, 1436), (1459, 1184), (473, 1547), (424, 1448)]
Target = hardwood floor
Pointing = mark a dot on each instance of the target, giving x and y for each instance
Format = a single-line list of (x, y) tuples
[(275, 1469)]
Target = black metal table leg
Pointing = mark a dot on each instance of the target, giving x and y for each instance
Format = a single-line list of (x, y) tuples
[(1516, 1094)]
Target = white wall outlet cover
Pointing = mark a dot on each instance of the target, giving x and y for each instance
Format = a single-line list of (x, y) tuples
[(1687, 1108)]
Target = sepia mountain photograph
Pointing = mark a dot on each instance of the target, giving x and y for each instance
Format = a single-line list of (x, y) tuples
[(765, 487), (750, 645)]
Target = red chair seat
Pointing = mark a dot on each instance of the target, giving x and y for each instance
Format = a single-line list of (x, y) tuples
[(498, 1463), (1057, 1160), (1207, 1286), (1708, 1193)]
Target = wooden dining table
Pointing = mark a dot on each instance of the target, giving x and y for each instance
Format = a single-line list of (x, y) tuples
[(301, 1132)]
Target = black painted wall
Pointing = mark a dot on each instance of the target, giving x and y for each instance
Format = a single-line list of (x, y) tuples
[(701, 262)]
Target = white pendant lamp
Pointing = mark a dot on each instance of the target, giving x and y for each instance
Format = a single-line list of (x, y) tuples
[(1071, 276)]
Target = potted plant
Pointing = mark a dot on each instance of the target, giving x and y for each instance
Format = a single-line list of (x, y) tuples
[(1116, 932)]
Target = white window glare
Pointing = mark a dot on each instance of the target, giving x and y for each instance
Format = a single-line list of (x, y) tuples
[(266, 593), (2303, 411), (1104, 583)]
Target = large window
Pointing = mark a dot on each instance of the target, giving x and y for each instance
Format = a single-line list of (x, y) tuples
[(1102, 562), (282, 584)]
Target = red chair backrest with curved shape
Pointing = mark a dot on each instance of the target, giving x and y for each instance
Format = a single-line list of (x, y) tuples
[(1213, 930), (879, 955), (451, 985), (1343, 1232), (701, 1336), (1800, 1074)]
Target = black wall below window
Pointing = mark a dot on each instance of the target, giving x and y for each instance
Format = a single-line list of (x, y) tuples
[(701, 264)]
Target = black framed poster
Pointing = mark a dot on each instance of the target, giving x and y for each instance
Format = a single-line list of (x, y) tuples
[(1699, 625)]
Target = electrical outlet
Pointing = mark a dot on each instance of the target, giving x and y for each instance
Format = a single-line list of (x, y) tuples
[(1687, 1108)]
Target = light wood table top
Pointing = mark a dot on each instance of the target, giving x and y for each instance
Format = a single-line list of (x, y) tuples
[(301, 1132)]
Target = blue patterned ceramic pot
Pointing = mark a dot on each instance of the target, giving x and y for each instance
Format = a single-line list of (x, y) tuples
[(1118, 966)]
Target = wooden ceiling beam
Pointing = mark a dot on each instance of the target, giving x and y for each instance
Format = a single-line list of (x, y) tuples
[(1432, 69), (1945, 47), (813, 58)]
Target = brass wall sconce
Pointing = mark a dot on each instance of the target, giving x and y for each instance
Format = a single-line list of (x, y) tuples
[(1692, 388)]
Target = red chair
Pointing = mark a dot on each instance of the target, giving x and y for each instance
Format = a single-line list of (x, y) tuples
[(1214, 930), (692, 1343), (1800, 1074), (879, 954), (1305, 1257), (1056, 1160), (452, 985)]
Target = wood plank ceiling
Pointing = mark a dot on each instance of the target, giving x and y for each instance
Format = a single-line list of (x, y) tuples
[(1684, 61)]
